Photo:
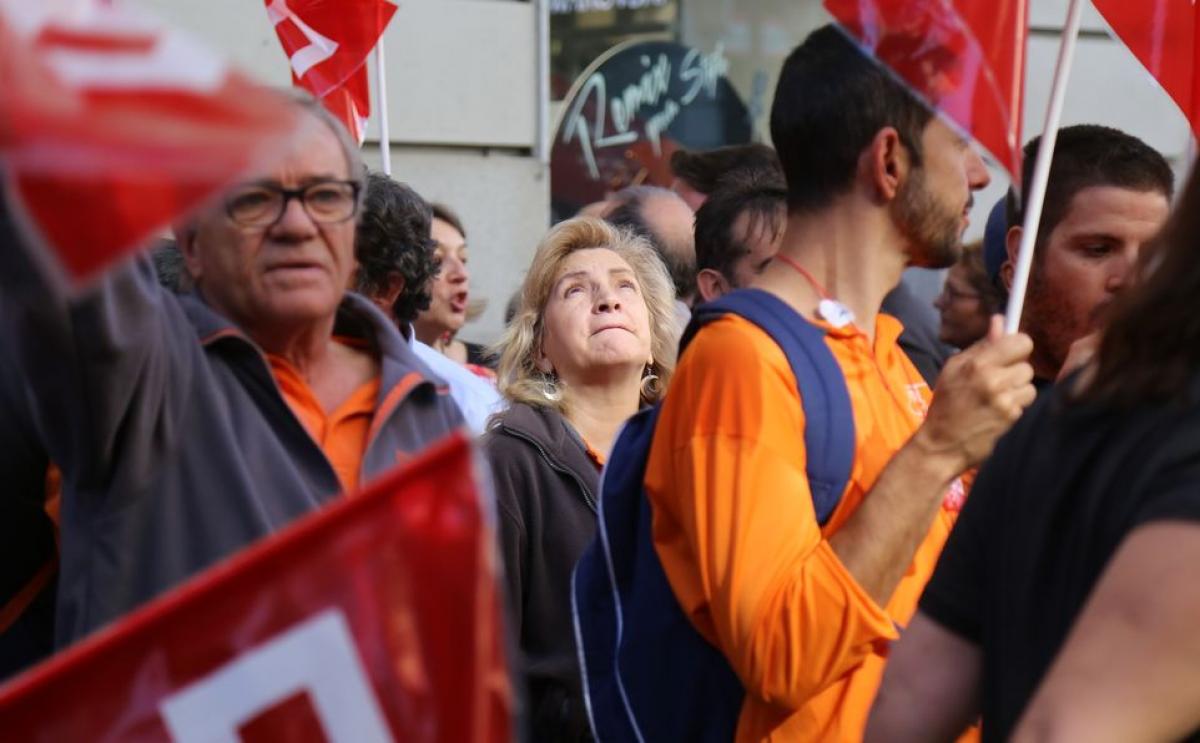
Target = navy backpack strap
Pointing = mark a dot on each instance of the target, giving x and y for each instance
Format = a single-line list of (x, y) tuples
[(648, 676), (829, 437)]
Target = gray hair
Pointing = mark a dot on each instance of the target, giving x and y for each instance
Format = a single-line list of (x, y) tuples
[(308, 103)]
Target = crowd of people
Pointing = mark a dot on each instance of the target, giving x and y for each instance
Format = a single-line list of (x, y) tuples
[(1008, 556)]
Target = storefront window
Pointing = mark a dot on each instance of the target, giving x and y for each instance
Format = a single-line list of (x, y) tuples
[(634, 80)]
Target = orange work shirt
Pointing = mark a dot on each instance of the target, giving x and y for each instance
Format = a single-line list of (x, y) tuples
[(341, 434), (735, 529)]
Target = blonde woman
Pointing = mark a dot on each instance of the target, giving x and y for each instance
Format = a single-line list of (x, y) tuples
[(592, 341)]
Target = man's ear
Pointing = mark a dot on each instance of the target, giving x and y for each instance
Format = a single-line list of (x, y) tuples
[(186, 236), (711, 284), (1012, 243), (885, 163), (393, 288)]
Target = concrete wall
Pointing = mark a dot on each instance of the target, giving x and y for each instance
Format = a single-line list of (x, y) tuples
[(461, 80)]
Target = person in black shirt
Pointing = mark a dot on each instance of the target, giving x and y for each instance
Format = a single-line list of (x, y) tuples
[(1065, 604)]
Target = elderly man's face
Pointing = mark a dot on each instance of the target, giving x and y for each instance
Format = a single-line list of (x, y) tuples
[(288, 273)]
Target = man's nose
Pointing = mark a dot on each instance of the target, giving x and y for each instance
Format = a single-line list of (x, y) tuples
[(1122, 268), (977, 173), (294, 222)]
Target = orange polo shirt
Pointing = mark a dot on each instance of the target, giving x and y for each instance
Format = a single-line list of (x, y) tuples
[(735, 529), (341, 434)]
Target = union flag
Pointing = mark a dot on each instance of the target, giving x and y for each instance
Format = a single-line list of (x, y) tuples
[(1162, 35), (327, 44), (376, 620), (113, 125), (963, 57)]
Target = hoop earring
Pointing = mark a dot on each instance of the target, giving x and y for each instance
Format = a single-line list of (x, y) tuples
[(550, 388), (651, 387)]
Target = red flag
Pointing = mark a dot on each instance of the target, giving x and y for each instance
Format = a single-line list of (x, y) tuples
[(1162, 35), (327, 44), (112, 125), (377, 619), (963, 57)]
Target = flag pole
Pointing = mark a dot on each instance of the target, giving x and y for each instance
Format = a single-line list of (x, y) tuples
[(1041, 168), (381, 102)]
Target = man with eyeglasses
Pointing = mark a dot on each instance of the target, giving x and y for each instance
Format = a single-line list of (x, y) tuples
[(187, 427)]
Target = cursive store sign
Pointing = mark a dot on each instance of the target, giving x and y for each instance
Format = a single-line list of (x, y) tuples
[(604, 115), (627, 114)]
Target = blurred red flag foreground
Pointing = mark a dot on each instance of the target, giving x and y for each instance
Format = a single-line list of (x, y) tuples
[(1162, 35), (374, 620), (963, 57), (111, 126)]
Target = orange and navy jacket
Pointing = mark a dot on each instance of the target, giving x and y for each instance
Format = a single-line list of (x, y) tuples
[(734, 526)]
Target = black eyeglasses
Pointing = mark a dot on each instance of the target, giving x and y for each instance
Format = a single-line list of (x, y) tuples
[(261, 205)]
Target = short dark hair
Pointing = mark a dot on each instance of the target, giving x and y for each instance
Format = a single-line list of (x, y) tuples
[(1087, 155), (629, 214), (449, 216), (704, 169), (393, 236), (761, 194), (830, 103)]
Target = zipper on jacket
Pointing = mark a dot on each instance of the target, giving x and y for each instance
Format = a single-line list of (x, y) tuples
[(554, 465)]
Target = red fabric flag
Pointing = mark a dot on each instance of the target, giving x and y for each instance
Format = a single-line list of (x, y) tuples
[(1162, 35), (327, 44), (377, 619), (111, 126), (963, 57)]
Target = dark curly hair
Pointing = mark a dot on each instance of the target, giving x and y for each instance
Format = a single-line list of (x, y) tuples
[(393, 236)]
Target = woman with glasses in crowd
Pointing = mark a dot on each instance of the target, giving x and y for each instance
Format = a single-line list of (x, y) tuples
[(968, 299)]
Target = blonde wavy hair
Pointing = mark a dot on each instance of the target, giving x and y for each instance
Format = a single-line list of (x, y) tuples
[(520, 380)]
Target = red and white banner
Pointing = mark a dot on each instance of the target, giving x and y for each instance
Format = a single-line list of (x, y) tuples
[(376, 620), (112, 126), (965, 58), (327, 44), (1162, 34)]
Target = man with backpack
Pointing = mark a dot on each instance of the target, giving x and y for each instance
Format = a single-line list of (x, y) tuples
[(801, 490)]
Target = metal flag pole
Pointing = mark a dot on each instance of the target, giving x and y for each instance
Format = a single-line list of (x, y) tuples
[(542, 86), (1041, 168), (381, 103)]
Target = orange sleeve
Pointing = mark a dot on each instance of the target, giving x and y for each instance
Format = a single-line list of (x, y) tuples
[(734, 524)]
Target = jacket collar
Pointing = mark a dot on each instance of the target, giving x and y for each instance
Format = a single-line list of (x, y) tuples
[(356, 318), (550, 431)]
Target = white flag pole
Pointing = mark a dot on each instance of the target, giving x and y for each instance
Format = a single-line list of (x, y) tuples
[(381, 104), (1041, 168)]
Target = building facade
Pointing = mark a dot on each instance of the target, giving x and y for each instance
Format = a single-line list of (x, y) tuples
[(478, 92)]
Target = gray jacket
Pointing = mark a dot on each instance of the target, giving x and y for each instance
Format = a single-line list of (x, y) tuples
[(176, 445)]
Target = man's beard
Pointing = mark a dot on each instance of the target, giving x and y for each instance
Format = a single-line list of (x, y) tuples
[(933, 230), (1053, 322)]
